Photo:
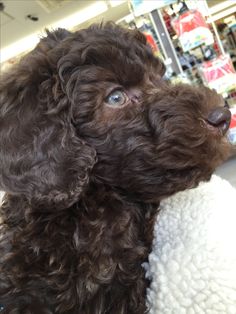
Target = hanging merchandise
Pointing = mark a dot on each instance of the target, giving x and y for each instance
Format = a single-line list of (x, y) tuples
[(192, 30), (153, 45), (232, 128), (219, 74)]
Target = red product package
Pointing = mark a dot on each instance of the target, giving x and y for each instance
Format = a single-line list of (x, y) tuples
[(153, 44), (232, 128), (151, 41), (219, 74), (192, 30), (233, 119)]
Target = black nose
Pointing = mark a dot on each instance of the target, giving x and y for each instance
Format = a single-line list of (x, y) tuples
[(220, 118)]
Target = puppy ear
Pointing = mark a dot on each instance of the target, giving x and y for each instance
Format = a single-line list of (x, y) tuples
[(41, 155)]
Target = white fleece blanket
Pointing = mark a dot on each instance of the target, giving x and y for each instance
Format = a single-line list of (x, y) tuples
[(193, 262)]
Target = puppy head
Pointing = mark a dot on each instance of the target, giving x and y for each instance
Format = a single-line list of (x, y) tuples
[(152, 139), (92, 106)]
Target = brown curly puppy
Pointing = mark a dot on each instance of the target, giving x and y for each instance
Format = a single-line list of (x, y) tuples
[(91, 139)]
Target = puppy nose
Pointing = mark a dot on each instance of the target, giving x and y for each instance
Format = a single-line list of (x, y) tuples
[(220, 118)]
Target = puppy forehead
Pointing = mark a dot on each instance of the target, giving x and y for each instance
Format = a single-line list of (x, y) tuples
[(121, 74), (123, 55)]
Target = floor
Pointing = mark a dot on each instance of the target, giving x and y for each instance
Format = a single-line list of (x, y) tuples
[(228, 171)]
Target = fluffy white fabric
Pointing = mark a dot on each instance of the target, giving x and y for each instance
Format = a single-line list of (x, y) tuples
[(193, 262), (1, 197)]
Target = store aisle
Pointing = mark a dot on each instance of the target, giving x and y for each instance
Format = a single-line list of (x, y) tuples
[(228, 171)]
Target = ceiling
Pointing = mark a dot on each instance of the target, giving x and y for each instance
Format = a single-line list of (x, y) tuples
[(71, 14), (16, 28), (15, 24)]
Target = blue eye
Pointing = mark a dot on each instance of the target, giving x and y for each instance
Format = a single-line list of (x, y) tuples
[(116, 98)]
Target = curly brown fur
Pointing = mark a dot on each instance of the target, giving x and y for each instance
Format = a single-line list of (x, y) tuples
[(84, 178)]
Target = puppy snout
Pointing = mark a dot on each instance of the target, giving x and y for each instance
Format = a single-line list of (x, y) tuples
[(220, 118)]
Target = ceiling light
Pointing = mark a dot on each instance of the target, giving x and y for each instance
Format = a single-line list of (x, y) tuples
[(115, 3), (81, 16), (222, 14), (221, 6), (19, 47)]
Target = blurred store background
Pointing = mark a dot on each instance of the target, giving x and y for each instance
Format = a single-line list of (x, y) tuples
[(195, 38)]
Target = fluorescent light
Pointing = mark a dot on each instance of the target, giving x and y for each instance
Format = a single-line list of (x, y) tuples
[(18, 47), (128, 18), (29, 42), (81, 16), (221, 6), (115, 3), (230, 20), (222, 14)]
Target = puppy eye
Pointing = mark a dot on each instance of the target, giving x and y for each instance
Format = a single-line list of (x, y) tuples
[(117, 98)]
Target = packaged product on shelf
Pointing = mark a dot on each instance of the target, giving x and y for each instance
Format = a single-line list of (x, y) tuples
[(232, 128), (192, 30), (219, 74), (153, 44)]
